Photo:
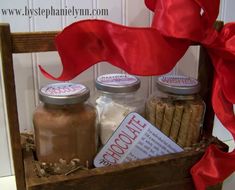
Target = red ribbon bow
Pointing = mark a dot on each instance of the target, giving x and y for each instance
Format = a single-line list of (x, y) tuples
[(154, 51)]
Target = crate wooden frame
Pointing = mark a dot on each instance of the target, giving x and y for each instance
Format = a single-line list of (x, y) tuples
[(158, 173)]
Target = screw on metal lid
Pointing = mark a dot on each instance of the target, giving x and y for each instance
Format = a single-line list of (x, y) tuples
[(117, 83), (178, 85), (64, 93)]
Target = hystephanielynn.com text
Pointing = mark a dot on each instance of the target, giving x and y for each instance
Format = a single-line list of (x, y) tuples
[(51, 11)]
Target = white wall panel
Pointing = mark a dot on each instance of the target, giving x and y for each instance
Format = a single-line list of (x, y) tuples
[(50, 60), (78, 5), (228, 11), (18, 23), (188, 65), (116, 9), (138, 15), (222, 9), (5, 163), (24, 89), (53, 22)]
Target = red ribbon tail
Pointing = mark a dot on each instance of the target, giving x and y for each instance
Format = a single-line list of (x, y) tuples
[(216, 166), (213, 168), (138, 51)]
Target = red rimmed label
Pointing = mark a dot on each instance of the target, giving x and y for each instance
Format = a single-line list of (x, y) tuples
[(177, 81), (117, 79), (63, 89)]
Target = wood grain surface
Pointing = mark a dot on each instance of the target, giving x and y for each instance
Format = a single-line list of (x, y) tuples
[(9, 84)]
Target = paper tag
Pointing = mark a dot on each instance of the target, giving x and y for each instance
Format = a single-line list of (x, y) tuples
[(61, 89), (135, 139), (117, 79)]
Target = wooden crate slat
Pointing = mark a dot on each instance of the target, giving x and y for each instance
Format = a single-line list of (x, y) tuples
[(135, 175), (206, 77), (28, 42), (184, 184), (10, 92)]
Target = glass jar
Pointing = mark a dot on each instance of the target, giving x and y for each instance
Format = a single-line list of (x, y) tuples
[(177, 109), (65, 124), (117, 97)]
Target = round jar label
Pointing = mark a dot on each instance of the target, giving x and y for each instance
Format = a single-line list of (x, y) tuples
[(180, 81), (117, 79), (63, 89)]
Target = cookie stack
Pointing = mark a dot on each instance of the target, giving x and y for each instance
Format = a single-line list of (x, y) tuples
[(180, 120), (176, 109)]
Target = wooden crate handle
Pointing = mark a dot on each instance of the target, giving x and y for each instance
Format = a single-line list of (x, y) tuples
[(206, 76), (9, 83)]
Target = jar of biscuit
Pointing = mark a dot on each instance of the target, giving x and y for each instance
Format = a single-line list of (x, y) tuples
[(177, 109), (65, 124), (117, 97)]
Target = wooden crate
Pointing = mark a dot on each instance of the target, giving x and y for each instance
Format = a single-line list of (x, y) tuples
[(160, 173)]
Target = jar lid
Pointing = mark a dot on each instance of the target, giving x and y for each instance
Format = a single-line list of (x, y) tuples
[(178, 85), (117, 83), (64, 93)]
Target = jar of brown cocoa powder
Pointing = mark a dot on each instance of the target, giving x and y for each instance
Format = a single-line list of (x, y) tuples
[(177, 109), (65, 124)]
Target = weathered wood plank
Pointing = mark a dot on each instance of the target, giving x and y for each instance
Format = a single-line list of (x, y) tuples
[(10, 92), (205, 76), (29, 168), (135, 175), (27, 42), (184, 184)]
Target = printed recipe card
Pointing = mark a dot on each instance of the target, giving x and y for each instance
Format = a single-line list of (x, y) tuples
[(135, 139)]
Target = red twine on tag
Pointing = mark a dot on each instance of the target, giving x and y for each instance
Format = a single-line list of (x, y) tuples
[(154, 51)]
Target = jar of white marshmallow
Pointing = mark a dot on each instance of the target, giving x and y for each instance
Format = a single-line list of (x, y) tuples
[(117, 97)]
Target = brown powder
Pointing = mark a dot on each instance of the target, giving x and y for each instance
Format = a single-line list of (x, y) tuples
[(65, 132)]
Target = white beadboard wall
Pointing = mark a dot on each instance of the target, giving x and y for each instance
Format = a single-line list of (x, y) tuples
[(29, 79)]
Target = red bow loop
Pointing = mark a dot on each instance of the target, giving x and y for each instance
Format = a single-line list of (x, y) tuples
[(208, 171), (208, 12), (151, 4), (225, 43), (191, 20), (222, 107), (222, 52)]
